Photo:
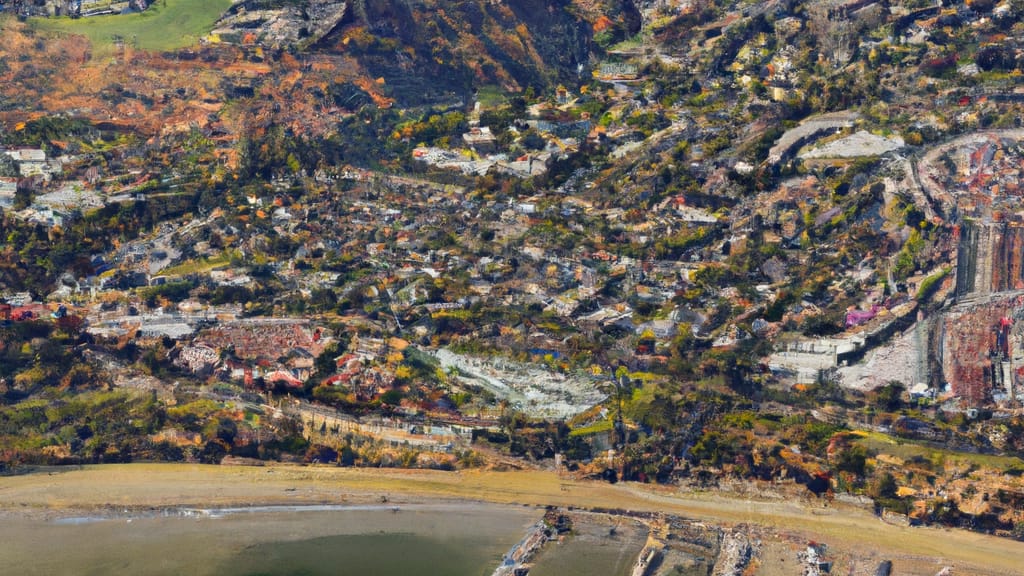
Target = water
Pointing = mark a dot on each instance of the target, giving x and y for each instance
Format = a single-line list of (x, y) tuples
[(450, 540), (592, 549), (418, 540), (401, 553)]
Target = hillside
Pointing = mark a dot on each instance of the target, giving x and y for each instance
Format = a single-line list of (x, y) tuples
[(437, 54), (761, 241)]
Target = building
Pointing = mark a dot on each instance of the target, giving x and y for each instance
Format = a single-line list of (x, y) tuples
[(480, 139), (33, 162)]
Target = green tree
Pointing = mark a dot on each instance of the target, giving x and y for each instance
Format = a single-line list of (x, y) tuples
[(853, 460), (890, 396), (884, 487), (8, 168)]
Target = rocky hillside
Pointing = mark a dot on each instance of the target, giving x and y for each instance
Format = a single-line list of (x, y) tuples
[(280, 23), (436, 52)]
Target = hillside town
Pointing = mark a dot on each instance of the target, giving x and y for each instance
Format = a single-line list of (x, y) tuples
[(764, 241)]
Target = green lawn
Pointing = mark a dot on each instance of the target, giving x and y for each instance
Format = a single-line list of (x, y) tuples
[(595, 428), (166, 25), (491, 96), (197, 266), (907, 449)]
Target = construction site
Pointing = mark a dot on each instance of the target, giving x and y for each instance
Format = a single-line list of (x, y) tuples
[(977, 342), (990, 258), (966, 349), (983, 350)]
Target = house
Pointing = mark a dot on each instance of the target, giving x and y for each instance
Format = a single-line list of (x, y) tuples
[(198, 358), (480, 139), (527, 165), (41, 215), (236, 369), (921, 391), (481, 287), (32, 162), (563, 305), (368, 348), (18, 299), (283, 377), (301, 363), (562, 95), (28, 312), (347, 362), (660, 329), (610, 71), (730, 337)]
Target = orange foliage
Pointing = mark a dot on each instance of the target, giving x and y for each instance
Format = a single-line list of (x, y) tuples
[(603, 23), (288, 61), (290, 80), (368, 86)]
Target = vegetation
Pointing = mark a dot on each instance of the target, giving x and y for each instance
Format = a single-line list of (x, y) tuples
[(647, 239), (166, 25), (930, 284)]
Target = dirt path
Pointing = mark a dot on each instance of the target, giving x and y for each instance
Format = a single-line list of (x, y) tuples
[(114, 488)]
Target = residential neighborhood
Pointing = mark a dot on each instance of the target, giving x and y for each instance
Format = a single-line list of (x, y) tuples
[(679, 243)]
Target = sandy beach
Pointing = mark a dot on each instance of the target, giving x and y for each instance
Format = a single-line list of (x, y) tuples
[(137, 488)]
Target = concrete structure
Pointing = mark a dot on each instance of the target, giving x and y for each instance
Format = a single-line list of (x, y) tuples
[(807, 130), (33, 162), (480, 139), (862, 143)]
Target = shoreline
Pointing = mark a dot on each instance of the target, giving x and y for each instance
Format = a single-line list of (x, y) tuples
[(134, 490), (232, 511), (109, 490)]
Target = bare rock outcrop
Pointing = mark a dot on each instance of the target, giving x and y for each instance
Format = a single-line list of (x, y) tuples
[(736, 553), (290, 25)]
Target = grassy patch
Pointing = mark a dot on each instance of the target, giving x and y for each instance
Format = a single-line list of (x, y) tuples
[(595, 428), (197, 266), (454, 314), (930, 284), (629, 44), (907, 449), (166, 25), (645, 377), (491, 96)]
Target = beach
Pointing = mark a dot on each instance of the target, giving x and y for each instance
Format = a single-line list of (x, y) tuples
[(852, 532)]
